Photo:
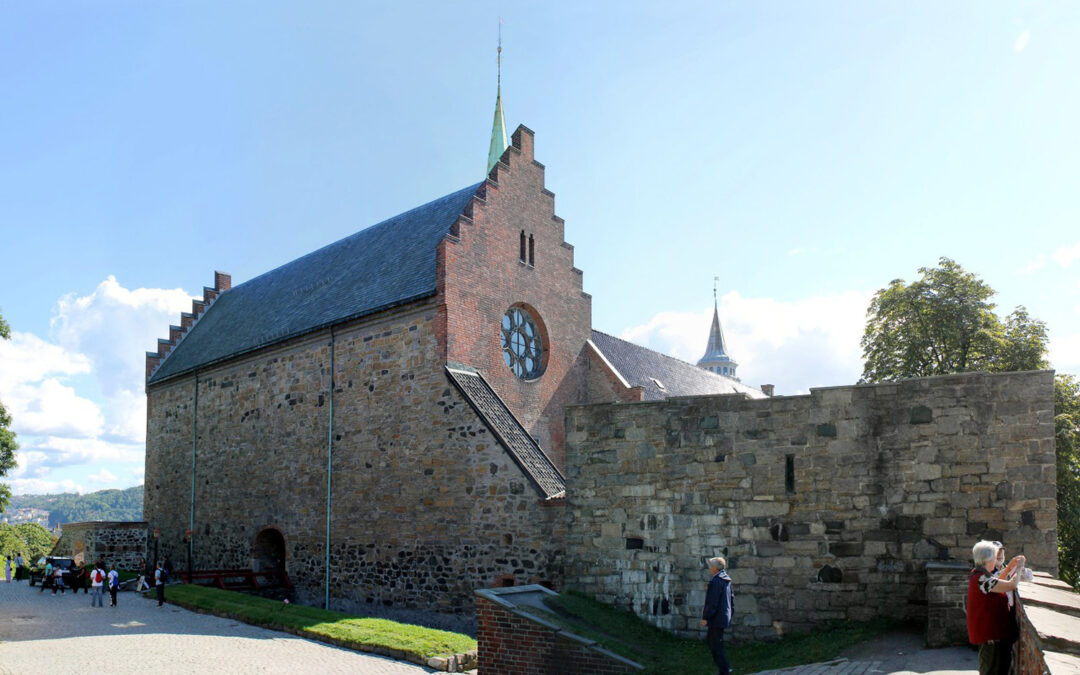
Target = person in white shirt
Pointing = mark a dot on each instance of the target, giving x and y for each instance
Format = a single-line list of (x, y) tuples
[(114, 584), (97, 583)]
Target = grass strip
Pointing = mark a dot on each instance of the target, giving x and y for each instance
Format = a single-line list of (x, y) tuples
[(379, 636), (665, 654)]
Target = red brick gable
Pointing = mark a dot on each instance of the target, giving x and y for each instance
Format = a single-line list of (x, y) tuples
[(481, 275)]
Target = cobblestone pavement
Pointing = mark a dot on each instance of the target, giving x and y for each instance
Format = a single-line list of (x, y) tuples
[(43, 633), (897, 653)]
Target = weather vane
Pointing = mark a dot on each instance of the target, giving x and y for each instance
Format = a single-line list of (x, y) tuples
[(715, 283)]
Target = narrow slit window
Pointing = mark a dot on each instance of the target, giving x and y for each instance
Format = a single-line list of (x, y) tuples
[(532, 251), (789, 474), (521, 251)]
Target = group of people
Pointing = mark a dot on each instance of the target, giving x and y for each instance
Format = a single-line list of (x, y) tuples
[(991, 607), (95, 581), (12, 567)]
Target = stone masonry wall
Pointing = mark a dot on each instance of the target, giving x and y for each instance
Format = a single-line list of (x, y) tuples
[(946, 603), (426, 505), (119, 543), (827, 506)]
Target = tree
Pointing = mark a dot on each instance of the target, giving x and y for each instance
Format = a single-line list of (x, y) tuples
[(945, 323), (8, 446), (30, 539), (1067, 437)]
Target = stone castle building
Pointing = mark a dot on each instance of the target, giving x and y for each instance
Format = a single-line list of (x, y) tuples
[(391, 407), (425, 408)]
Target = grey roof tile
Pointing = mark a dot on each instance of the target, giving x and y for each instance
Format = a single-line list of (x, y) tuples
[(642, 367), (385, 265)]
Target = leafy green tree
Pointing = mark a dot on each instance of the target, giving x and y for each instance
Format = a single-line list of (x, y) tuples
[(30, 539), (1067, 436), (8, 446), (945, 323)]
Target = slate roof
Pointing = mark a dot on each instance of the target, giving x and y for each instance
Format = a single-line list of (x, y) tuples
[(506, 428), (382, 266), (642, 367)]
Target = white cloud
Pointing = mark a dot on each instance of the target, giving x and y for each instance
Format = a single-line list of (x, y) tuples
[(104, 476), (62, 418), (139, 472), (795, 345), (51, 408), (1066, 255), (36, 486), (1033, 266), (1022, 41)]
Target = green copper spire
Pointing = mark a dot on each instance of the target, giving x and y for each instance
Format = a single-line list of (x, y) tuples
[(498, 127)]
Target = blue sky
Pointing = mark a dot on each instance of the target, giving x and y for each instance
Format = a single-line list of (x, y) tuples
[(804, 153)]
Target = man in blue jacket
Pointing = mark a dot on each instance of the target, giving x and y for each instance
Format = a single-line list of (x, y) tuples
[(719, 605)]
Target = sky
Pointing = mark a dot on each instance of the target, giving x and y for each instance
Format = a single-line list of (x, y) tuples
[(806, 154)]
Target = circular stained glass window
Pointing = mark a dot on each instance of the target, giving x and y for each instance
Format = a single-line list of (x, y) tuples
[(523, 348)]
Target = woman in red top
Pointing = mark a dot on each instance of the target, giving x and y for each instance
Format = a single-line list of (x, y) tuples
[(991, 622)]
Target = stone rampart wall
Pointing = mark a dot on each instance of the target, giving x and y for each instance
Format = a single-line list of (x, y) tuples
[(119, 543), (828, 506)]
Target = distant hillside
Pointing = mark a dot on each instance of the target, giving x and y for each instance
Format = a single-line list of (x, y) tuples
[(73, 508)]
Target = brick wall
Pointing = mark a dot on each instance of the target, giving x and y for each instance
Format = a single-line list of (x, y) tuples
[(119, 543), (1048, 613), (481, 276), (883, 479), (511, 642), (427, 506)]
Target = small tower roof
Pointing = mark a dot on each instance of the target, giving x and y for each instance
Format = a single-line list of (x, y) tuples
[(499, 141), (716, 350)]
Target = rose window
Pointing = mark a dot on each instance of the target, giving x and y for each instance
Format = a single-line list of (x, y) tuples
[(522, 346)]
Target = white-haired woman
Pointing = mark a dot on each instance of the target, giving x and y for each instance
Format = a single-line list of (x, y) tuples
[(991, 622)]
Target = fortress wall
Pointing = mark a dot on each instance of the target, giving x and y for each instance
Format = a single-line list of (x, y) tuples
[(828, 506)]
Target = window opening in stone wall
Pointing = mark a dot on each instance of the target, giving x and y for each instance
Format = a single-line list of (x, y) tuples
[(521, 250), (532, 251), (789, 474), (506, 581)]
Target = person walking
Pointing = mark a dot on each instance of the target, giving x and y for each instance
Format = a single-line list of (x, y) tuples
[(144, 571), (991, 622), (719, 607), (159, 582), (114, 584), (58, 580), (7, 569), (18, 566), (46, 577), (97, 584)]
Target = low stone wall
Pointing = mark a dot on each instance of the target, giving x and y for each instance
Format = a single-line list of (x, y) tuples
[(1049, 618), (513, 642), (946, 603), (827, 506), (119, 543)]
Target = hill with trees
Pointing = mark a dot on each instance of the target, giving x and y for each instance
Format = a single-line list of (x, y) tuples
[(74, 508)]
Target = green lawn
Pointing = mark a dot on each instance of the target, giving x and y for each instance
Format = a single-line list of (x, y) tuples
[(370, 635), (665, 654)]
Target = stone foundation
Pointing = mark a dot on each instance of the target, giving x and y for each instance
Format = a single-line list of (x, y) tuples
[(119, 543)]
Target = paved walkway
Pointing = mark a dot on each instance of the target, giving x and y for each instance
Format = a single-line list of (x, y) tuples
[(43, 633), (896, 654)]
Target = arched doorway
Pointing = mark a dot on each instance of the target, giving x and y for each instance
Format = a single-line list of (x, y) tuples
[(268, 552)]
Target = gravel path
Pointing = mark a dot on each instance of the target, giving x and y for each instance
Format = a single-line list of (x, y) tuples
[(43, 633)]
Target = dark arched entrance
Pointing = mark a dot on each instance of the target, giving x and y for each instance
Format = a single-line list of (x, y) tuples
[(268, 552)]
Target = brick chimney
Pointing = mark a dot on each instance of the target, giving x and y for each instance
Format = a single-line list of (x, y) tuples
[(767, 389), (222, 281)]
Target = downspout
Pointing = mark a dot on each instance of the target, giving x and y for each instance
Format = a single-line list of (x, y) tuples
[(329, 471), (194, 445)]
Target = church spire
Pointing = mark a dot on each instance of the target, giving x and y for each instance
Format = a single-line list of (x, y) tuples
[(716, 359), (498, 128)]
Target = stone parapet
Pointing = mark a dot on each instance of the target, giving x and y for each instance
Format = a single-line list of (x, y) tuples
[(119, 543), (1049, 618), (946, 603)]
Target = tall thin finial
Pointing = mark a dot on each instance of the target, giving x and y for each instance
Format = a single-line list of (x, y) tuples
[(715, 283), (498, 56), (499, 142)]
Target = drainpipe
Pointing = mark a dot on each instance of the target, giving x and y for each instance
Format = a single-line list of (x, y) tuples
[(194, 445), (329, 471)]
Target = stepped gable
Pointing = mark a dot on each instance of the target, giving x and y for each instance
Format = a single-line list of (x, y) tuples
[(382, 266), (642, 367), (222, 283), (506, 428)]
